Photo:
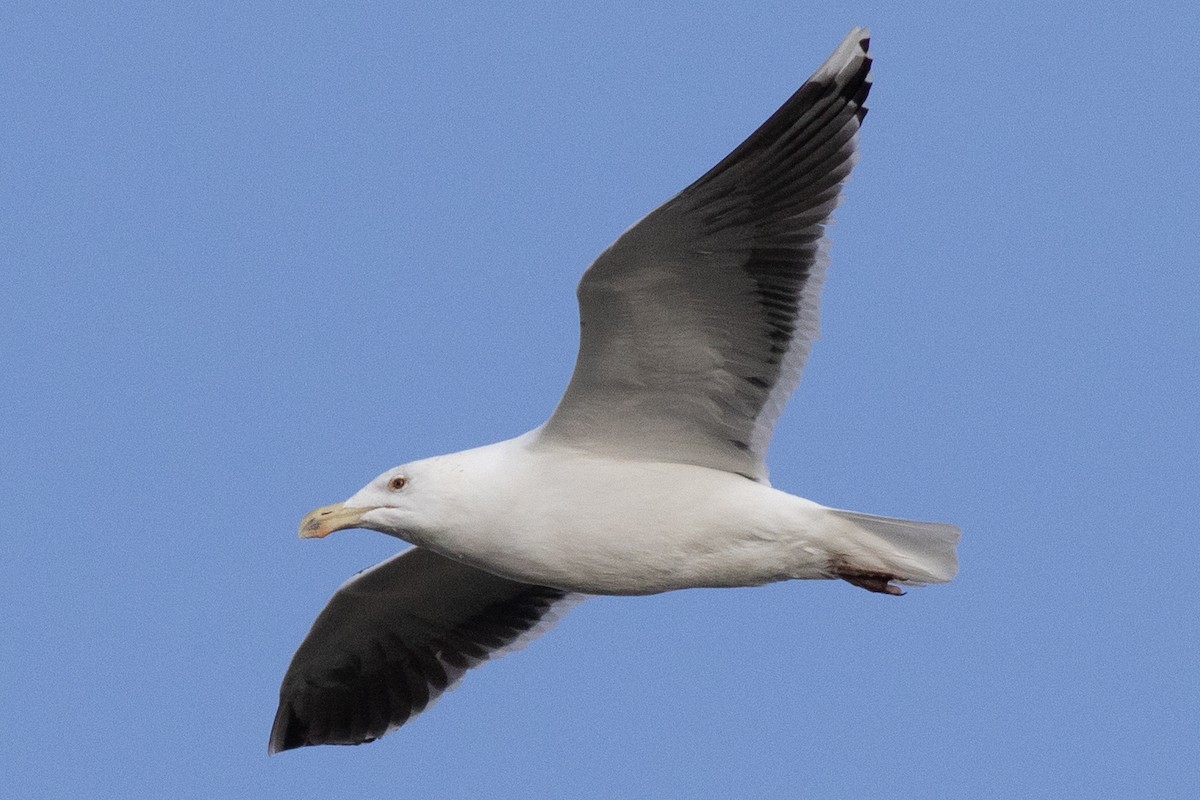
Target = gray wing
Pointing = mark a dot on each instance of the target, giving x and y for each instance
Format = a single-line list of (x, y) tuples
[(396, 636), (696, 323)]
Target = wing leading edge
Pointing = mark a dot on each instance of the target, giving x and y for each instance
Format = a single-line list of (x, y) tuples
[(696, 323)]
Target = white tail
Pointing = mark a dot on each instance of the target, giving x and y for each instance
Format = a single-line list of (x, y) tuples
[(915, 552)]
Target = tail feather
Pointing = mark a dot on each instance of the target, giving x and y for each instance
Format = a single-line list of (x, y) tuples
[(915, 552)]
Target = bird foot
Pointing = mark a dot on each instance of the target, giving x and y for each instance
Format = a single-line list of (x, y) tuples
[(880, 582)]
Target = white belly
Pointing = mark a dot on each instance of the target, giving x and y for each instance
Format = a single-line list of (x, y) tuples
[(603, 527)]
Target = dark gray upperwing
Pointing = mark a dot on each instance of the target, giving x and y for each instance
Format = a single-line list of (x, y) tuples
[(393, 638)]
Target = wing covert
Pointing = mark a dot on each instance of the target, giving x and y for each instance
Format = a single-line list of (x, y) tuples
[(393, 638), (696, 323)]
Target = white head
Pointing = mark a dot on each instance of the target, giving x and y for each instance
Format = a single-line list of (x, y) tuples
[(405, 502)]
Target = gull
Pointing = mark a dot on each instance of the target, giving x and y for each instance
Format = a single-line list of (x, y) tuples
[(649, 476)]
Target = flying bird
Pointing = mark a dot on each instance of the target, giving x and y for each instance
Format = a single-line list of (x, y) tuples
[(649, 476)]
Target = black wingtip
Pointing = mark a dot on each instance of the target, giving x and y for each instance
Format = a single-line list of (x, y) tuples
[(286, 731)]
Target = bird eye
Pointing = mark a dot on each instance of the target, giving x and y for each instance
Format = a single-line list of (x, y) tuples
[(397, 483)]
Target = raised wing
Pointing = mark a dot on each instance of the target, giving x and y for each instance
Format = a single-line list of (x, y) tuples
[(696, 323), (396, 636)]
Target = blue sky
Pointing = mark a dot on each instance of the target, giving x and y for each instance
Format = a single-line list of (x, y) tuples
[(253, 254)]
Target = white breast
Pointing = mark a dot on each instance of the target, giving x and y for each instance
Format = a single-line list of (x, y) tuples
[(591, 524)]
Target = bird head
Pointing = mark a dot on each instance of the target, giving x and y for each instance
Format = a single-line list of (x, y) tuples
[(393, 503)]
